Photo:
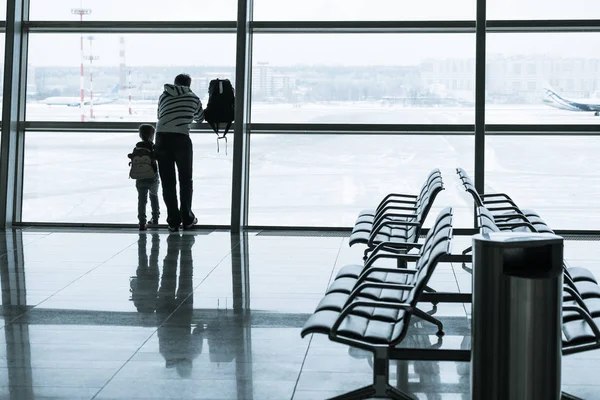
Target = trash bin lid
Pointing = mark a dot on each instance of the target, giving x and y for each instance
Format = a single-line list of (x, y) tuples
[(520, 239)]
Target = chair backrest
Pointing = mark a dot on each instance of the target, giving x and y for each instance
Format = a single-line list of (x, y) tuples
[(425, 266), (485, 220), (435, 173), (424, 206), (469, 186)]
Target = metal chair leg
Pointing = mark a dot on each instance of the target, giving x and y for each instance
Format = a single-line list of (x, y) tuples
[(464, 265), (567, 396), (396, 394), (366, 392), (381, 388), (426, 317)]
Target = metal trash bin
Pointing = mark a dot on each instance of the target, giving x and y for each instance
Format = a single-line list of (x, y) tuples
[(516, 316)]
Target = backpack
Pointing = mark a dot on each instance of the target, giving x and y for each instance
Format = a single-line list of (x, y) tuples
[(221, 107), (141, 165)]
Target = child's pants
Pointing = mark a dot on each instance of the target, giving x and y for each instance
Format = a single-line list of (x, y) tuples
[(147, 187)]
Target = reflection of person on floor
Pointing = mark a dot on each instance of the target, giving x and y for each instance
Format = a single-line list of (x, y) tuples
[(176, 341), (144, 285)]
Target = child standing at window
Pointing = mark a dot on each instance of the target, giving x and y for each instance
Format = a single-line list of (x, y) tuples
[(144, 169)]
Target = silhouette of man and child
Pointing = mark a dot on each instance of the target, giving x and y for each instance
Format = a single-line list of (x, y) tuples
[(178, 107)]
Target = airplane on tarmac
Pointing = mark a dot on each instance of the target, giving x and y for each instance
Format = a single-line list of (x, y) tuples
[(553, 99), (107, 98)]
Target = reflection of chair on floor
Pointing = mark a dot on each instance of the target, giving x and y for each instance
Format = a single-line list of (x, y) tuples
[(379, 325)]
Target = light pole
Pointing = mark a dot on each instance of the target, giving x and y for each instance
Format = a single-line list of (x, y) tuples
[(81, 12), (91, 58)]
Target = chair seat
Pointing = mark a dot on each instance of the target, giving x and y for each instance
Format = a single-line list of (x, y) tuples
[(592, 304), (337, 301), (578, 332), (347, 284), (354, 326), (394, 234), (586, 290), (581, 274), (350, 271)]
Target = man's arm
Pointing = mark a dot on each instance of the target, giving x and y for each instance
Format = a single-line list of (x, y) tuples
[(199, 113)]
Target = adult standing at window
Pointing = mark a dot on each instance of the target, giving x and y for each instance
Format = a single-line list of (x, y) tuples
[(178, 107)]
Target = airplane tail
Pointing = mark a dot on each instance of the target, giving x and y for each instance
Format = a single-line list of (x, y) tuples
[(114, 90)]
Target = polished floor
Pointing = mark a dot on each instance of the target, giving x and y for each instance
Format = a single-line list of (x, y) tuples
[(114, 314)]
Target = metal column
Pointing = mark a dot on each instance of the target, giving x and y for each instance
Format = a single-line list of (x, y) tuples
[(480, 39), (13, 113), (241, 145)]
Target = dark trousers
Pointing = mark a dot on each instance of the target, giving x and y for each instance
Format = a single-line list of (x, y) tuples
[(147, 188), (175, 150)]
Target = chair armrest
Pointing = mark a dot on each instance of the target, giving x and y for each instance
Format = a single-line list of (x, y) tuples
[(491, 200), (375, 285), (367, 271), (403, 257), (395, 247), (393, 216), (333, 333), (401, 249), (488, 195), (585, 316), (391, 202), (507, 208), (377, 228), (388, 209), (576, 297), (516, 225)]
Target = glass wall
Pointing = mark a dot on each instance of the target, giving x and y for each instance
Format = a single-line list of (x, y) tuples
[(335, 72), (542, 9), (543, 78), (325, 180), (125, 75), (82, 177), (558, 177), (369, 78)]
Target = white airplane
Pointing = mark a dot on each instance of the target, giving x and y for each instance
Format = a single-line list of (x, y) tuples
[(107, 98), (552, 99)]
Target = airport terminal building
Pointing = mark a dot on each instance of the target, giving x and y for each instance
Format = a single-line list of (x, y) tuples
[(405, 206)]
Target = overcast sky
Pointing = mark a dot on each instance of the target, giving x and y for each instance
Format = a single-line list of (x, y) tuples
[(306, 49)]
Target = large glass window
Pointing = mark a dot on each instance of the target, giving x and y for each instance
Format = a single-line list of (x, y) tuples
[(543, 78), (556, 176), (363, 10), (83, 177), (134, 10), (542, 9), (369, 78), (125, 76), (326, 180)]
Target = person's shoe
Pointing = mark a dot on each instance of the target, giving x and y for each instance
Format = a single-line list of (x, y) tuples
[(153, 221), (189, 226), (143, 227), (173, 228)]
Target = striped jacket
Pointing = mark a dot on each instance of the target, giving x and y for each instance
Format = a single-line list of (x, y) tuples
[(178, 107)]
